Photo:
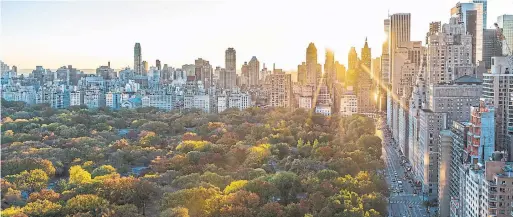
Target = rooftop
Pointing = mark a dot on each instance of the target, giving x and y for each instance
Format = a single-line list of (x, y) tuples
[(466, 79)]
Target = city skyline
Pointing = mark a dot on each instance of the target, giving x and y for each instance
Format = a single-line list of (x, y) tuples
[(109, 33)]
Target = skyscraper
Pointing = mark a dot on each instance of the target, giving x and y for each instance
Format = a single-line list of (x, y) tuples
[(385, 72), (485, 11), (244, 75), (311, 65), (364, 87), (137, 59), (400, 30), (157, 64), (352, 59), (231, 67), (301, 73), (366, 55), (434, 27), (204, 72), (145, 67), (449, 53), (471, 15), (329, 68), (505, 22), (254, 70), (491, 46)]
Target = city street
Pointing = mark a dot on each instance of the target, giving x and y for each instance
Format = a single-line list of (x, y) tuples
[(402, 201)]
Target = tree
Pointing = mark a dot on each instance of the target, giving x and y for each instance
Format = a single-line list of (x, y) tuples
[(271, 210), (13, 211), (79, 176), (35, 180), (17, 165), (194, 199), (103, 170), (371, 144), (235, 186), (263, 188), (44, 194), (12, 197), (175, 212), (86, 203), (144, 191), (327, 174), (288, 184), (42, 208)]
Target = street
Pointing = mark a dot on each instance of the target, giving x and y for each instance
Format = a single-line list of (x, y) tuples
[(402, 201)]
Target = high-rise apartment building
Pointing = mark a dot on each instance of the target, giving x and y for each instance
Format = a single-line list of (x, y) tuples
[(446, 103), (471, 15), (407, 63), (399, 27), (301, 73), (497, 189), (231, 68), (204, 72), (254, 70), (146, 68), (457, 168), (137, 59), (244, 75), (157, 64), (280, 94), (496, 86), (449, 53), (329, 67), (434, 27)]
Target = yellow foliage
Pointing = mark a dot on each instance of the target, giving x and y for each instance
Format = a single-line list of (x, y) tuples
[(235, 186), (12, 211), (190, 145), (77, 175), (9, 133)]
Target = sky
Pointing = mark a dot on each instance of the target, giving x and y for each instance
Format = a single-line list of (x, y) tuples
[(88, 34)]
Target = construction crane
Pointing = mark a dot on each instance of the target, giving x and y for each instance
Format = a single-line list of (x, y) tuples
[(505, 45)]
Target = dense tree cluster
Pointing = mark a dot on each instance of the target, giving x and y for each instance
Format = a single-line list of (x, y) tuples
[(146, 162)]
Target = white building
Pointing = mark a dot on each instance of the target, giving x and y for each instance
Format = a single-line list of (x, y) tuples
[(76, 97), (113, 100), (323, 109), (161, 99), (305, 102), (473, 191), (449, 53), (56, 96), (25, 94), (348, 103), (94, 98), (222, 103), (201, 102), (239, 100)]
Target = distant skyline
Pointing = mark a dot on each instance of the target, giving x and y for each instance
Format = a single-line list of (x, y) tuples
[(87, 34)]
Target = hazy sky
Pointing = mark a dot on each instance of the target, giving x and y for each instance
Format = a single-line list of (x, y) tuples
[(87, 34)]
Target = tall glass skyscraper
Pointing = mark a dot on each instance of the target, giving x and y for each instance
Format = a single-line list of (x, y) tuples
[(485, 13), (471, 14), (505, 22)]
